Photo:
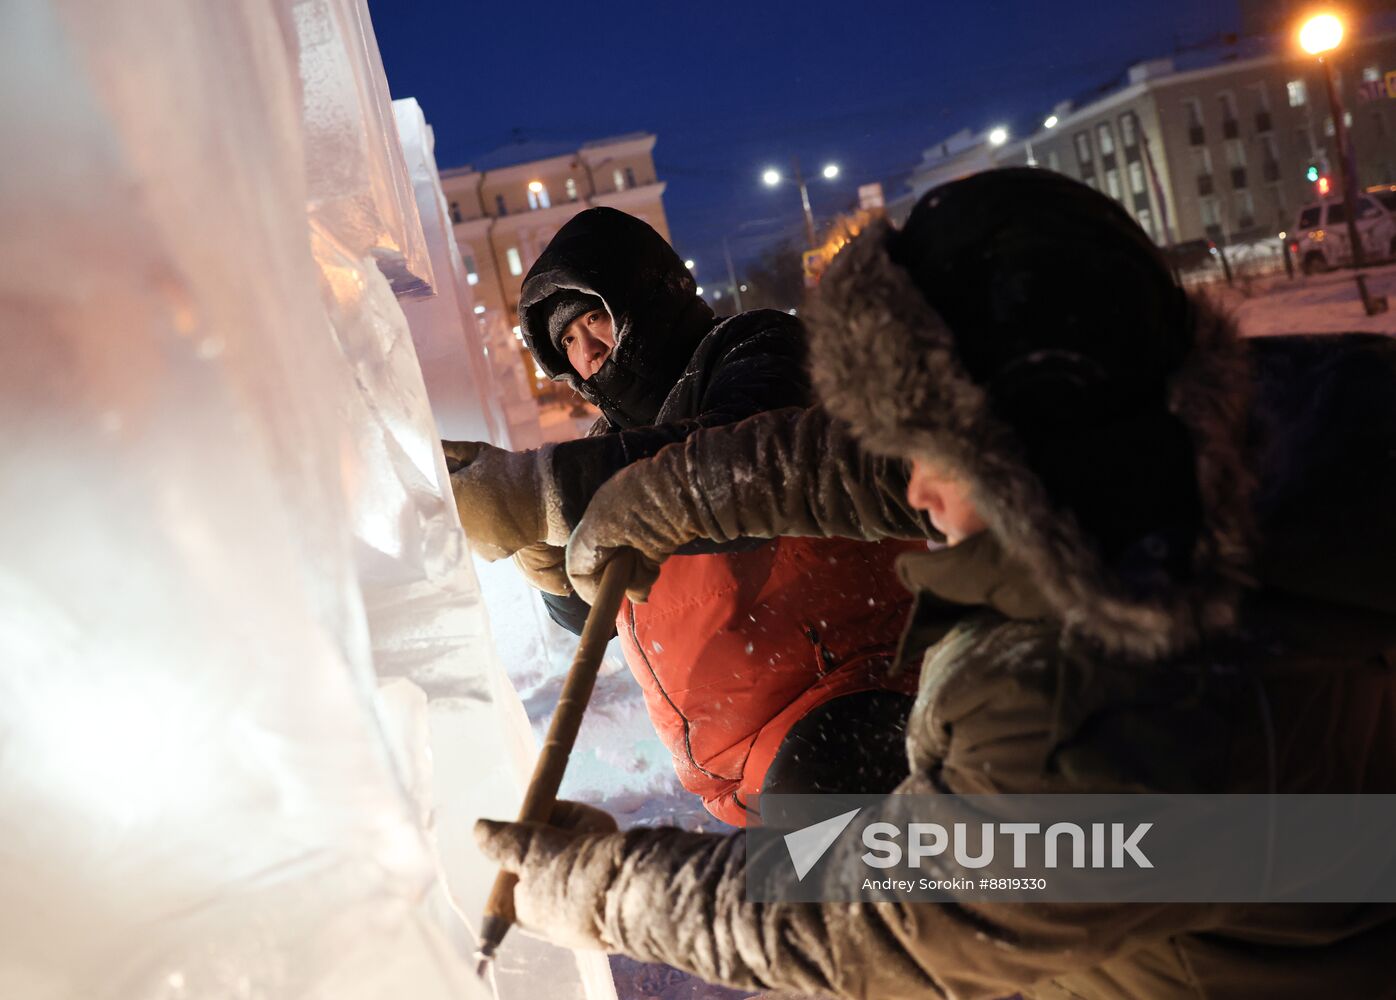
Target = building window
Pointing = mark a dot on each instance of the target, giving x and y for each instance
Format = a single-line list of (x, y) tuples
[(1129, 130), (1201, 161), (1054, 162), (571, 189), (1228, 107), (1112, 183), (1105, 139), (629, 177), (1136, 177), (1197, 134), (1245, 210), (500, 206), (515, 264), (1371, 74), (455, 212), (472, 276), (1146, 222), (1235, 153), (1211, 216), (538, 195), (1083, 147), (1298, 93), (619, 178)]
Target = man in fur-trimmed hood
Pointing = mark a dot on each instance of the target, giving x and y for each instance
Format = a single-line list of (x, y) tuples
[(1170, 574)]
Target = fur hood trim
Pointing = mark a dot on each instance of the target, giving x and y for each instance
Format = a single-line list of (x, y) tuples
[(885, 362)]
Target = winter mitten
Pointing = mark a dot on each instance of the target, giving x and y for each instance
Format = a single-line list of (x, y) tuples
[(504, 497), (544, 566), (564, 870)]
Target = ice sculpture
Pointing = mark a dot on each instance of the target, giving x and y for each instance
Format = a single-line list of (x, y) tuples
[(221, 523), (355, 175)]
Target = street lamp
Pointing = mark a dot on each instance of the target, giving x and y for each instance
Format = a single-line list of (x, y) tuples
[(689, 264), (998, 135), (771, 177), (1051, 122), (1318, 36)]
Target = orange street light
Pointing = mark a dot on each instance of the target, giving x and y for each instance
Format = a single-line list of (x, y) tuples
[(1321, 33)]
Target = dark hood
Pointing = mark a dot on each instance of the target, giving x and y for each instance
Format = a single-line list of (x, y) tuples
[(653, 301), (1021, 329)]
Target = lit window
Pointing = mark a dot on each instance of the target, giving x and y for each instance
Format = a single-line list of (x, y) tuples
[(1112, 182), (571, 189), (1106, 139), (1136, 177), (538, 195), (619, 178), (1298, 93), (1129, 137), (472, 276), (515, 263), (1146, 222)]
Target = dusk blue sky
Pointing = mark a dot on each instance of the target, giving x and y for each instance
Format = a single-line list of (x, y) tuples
[(731, 88)]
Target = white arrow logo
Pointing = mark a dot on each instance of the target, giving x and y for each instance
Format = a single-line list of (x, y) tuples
[(807, 846)]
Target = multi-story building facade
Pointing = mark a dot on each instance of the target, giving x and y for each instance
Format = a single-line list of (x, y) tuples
[(505, 212), (1218, 151)]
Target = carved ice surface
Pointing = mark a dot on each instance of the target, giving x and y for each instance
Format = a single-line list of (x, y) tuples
[(223, 518), (355, 177)]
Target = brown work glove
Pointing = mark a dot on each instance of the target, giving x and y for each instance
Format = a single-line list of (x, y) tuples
[(505, 498), (544, 566), (564, 867)]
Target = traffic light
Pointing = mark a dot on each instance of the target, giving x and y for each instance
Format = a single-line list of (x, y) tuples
[(1312, 173), (1324, 186)]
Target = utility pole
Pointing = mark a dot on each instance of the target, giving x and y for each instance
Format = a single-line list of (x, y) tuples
[(804, 200)]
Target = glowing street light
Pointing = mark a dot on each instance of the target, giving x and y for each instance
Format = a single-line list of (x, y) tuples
[(1051, 122), (690, 264), (771, 177), (1317, 36), (998, 135), (1321, 34)]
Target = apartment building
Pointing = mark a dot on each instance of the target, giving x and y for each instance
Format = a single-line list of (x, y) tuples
[(508, 205), (1216, 151)]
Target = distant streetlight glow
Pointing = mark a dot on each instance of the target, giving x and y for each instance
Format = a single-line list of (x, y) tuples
[(700, 289), (535, 186), (771, 177), (1321, 34), (689, 264), (831, 170), (1051, 122), (998, 136)]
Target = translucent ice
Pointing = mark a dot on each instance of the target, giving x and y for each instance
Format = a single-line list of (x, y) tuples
[(222, 522)]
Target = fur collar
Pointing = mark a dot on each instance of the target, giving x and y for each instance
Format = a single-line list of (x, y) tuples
[(884, 361)]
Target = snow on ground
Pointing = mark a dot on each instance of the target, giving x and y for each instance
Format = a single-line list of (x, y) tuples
[(1322, 303)]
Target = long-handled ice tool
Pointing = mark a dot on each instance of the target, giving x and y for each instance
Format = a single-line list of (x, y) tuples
[(541, 795)]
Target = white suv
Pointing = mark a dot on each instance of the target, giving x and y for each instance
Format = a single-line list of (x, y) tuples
[(1319, 240)]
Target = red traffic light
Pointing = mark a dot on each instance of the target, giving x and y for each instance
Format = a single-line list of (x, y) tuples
[(1324, 186)]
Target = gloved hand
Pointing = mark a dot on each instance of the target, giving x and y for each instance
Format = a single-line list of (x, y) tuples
[(564, 870), (648, 507), (504, 498), (544, 566)]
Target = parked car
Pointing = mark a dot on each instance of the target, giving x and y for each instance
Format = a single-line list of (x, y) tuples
[(1319, 239)]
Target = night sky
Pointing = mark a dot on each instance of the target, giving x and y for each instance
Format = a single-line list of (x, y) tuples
[(732, 88)]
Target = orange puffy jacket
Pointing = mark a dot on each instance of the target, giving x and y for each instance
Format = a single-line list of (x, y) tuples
[(732, 649)]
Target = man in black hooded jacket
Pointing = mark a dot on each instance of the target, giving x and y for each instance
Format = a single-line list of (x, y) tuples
[(674, 368)]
